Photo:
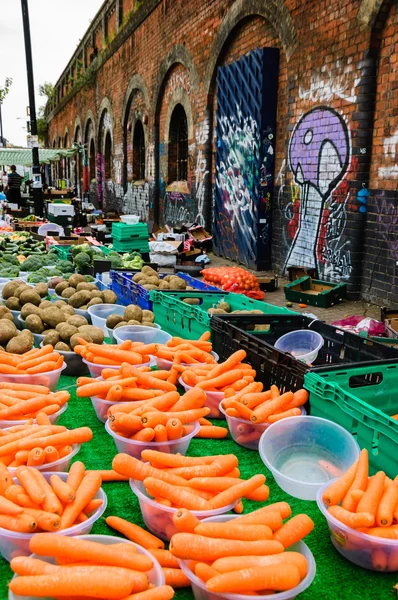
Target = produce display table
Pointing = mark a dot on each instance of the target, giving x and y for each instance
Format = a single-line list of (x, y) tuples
[(336, 578)]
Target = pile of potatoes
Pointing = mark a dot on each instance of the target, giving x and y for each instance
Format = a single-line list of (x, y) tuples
[(225, 309), (150, 280), (12, 340), (17, 293), (133, 315), (80, 294)]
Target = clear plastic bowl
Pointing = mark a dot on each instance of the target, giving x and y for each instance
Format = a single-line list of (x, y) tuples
[(38, 337), (213, 400), (159, 518), (303, 454), (49, 379), (14, 544), (101, 407), (53, 418), (141, 333), (60, 465), (359, 548), (135, 447), (200, 591), (244, 432), (96, 370), (155, 575), (130, 219), (303, 344), (100, 312), (165, 365)]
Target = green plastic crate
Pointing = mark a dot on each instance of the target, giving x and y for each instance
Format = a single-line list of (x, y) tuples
[(185, 320), (361, 400), (123, 231), (134, 246), (63, 252), (302, 291)]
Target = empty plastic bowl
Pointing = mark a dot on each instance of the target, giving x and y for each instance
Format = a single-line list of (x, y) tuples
[(213, 400), (101, 407), (130, 219), (303, 344), (14, 544), (49, 379), (135, 447), (141, 333), (359, 548), (155, 575), (244, 432), (96, 370), (53, 418), (165, 365), (60, 465), (303, 454), (100, 312), (159, 518), (200, 591)]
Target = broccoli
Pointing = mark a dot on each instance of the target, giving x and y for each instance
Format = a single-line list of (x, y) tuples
[(50, 259), (83, 248), (82, 260), (66, 266), (116, 260), (9, 272), (33, 263), (10, 259), (37, 278)]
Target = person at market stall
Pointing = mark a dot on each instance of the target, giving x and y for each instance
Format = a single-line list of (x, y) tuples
[(14, 181), (4, 181)]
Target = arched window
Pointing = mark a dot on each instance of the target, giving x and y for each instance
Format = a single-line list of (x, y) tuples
[(178, 145), (92, 160), (138, 152), (108, 156)]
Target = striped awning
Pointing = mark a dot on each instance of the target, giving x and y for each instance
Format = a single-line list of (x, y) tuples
[(23, 156)]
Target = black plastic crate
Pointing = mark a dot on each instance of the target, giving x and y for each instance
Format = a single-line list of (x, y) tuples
[(341, 349)]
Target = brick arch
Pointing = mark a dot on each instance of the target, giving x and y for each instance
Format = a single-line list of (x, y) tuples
[(66, 133), (179, 96), (89, 119), (372, 12), (136, 83), (77, 125), (105, 108), (274, 11)]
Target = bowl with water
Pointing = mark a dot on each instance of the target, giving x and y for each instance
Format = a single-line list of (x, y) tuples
[(303, 454), (303, 344)]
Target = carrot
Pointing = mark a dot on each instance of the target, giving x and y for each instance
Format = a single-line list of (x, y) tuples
[(51, 502), (175, 578), (25, 387), (299, 399), (294, 530), (354, 520), (5, 478), (197, 547), (178, 497), (277, 577), (9, 508), (193, 398), (372, 496), (51, 454), (163, 592), (76, 474), (336, 491), (164, 558), (134, 468), (45, 520), (84, 493), (205, 572), (235, 563), (135, 533), (212, 432), (73, 436), (236, 492), (389, 533), (292, 412), (175, 460), (174, 429), (36, 457), (222, 380), (263, 411), (229, 364), (185, 521), (20, 523), (31, 487), (145, 435), (110, 475), (151, 419), (387, 504), (360, 480), (64, 492), (232, 531)]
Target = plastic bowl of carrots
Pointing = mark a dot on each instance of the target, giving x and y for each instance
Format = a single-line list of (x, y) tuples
[(135, 447), (101, 407), (155, 575), (61, 465), (244, 432), (213, 400), (96, 369), (15, 543), (166, 365), (159, 518), (200, 590), (6, 423)]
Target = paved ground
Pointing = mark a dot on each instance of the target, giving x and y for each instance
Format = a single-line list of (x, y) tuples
[(334, 313)]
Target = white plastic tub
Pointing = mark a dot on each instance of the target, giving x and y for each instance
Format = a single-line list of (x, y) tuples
[(101, 407), (100, 312), (141, 333)]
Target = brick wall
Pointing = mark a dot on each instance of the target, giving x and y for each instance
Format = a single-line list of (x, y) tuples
[(336, 129)]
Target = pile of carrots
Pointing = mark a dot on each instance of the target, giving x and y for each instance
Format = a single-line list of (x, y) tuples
[(368, 505), (132, 353), (86, 569), (25, 402), (197, 483), (187, 352), (34, 362), (245, 555), (40, 505), (38, 445)]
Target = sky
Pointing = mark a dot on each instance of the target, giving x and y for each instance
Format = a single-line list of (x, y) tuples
[(56, 27)]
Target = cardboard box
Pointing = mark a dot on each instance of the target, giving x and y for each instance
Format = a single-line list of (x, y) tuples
[(200, 234), (72, 240)]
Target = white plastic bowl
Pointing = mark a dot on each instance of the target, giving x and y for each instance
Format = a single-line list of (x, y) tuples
[(140, 333), (14, 544), (303, 344), (165, 365), (49, 379), (96, 370), (213, 400), (101, 407), (359, 548), (135, 447), (100, 312), (244, 432), (59, 466), (159, 518), (130, 219), (303, 454), (200, 591), (53, 418)]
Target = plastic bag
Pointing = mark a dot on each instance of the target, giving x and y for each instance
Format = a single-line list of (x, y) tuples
[(358, 324)]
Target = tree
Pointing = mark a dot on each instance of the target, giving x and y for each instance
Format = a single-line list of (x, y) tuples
[(4, 90), (46, 89)]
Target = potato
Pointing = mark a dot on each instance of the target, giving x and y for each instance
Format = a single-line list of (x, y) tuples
[(53, 316), (20, 344), (95, 294), (192, 301), (83, 285), (34, 324), (150, 286), (45, 304), (10, 288), (5, 313), (189, 288), (92, 287), (21, 288), (176, 283), (74, 339), (121, 324), (225, 306), (66, 331), (113, 320), (96, 334), (59, 303), (133, 322), (216, 311), (68, 292), (132, 312), (51, 337), (153, 280), (168, 277), (149, 271), (148, 324), (62, 347), (41, 289), (147, 315), (109, 297), (67, 310), (94, 301), (28, 334), (77, 321), (30, 296), (7, 331), (61, 287), (138, 276), (84, 307), (164, 285), (79, 298), (13, 303), (75, 279), (30, 309)]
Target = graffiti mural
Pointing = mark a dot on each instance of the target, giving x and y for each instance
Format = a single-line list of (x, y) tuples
[(390, 148), (136, 201), (201, 172), (178, 208), (319, 159)]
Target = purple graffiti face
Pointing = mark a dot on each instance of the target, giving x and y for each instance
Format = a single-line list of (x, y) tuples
[(319, 152)]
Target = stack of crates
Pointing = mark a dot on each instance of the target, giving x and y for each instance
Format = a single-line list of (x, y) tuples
[(130, 238)]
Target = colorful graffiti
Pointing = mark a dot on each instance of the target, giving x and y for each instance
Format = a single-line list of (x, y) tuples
[(178, 208), (319, 158)]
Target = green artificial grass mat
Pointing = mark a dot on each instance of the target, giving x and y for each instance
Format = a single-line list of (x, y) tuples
[(336, 578)]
